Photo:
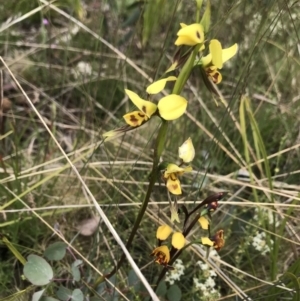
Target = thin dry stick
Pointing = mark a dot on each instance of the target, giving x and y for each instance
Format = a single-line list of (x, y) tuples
[(89, 193)]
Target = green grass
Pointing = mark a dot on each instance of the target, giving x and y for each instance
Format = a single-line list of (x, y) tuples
[(254, 127)]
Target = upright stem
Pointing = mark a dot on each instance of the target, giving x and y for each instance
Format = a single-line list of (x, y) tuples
[(159, 147)]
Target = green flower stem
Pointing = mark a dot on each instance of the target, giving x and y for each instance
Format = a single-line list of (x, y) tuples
[(159, 147), (185, 72)]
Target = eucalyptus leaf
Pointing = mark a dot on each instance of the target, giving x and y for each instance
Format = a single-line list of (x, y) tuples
[(75, 273), (174, 293), (77, 295), (37, 270), (161, 289), (56, 251), (48, 299), (37, 295), (64, 293), (134, 281)]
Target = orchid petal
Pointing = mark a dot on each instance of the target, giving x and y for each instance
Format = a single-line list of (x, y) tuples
[(159, 85), (178, 240), (206, 241), (163, 232), (172, 106), (228, 53), (186, 151), (148, 107), (204, 222), (215, 49), (136, 118)]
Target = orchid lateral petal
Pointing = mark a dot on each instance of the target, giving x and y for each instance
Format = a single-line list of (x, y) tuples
[(215, 49), (163, 232), (186, 151), (187, 169), (204, 222), (136, 118), (117, 132), (148, 107), (159, 85), (206, 60), (228, 53), (206, 241), (190, 35), (172, 67), (172, 106), (178, 240), (173, 168)]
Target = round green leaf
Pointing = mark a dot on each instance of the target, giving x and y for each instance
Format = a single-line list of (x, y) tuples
[(56, 251), (48, 299), (63, 293), (75, 273), (77, 295), (37, 295), (134, 281), (161, 289), (37, 270), (174, 293)]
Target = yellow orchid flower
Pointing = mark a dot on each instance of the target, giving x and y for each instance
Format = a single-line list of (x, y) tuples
[(171, 176), (178, 240), (172, 106), (162, 255), (159, 85), (186, 151), (147, 109), (218, 240), (164, 231), (206, 241), (216, 58), (204, 222), (190, 35)]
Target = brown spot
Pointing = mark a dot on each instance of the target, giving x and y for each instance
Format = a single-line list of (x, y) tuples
[(215, 78), (175, 186), (198, 35), (144, 109), (133, 119)]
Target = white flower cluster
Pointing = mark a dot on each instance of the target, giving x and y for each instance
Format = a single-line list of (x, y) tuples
[(82, 69), (206, 282), (260, 244), (175, 274), (267, 214)]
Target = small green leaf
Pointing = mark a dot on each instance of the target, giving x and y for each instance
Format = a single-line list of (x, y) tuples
[(134, 281), (77, 295), (161, 289), (75, 270), (64, 293), (174, 293), (205, 21), (56, 251), (37, 295), (48, 299), (37, 270)]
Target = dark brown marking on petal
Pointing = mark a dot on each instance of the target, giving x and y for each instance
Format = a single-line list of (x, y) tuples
[(215, 77), (144, 109), (198, 35), (175, 186), (133, 119)]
